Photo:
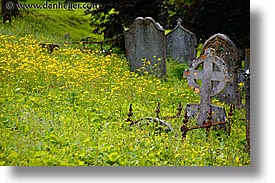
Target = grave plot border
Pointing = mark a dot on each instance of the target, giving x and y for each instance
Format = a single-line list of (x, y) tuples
[(184, 128)]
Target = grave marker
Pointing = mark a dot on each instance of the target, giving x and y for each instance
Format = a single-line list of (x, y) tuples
[(145, 46), (226, 50), (181, 44), (208, 75)]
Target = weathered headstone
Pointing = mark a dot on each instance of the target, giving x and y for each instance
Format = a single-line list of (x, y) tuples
[(207, 90), (226, 50), (145, 46), (181, 44)]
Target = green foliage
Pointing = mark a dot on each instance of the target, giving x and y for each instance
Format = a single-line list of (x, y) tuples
[(100, 20), (175, 69), (206, 18), (52, 25), (123, 12), (69, 108)]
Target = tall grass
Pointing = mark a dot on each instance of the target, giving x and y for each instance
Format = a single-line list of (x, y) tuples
[(52, 25), (69, 108)]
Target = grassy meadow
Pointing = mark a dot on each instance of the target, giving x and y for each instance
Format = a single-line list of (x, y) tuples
[(69, 108)]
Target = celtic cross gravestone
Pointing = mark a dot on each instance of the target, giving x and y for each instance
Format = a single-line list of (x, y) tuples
[(207, 90)]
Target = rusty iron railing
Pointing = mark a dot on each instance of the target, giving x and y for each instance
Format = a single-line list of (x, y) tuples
[(157, 119), (208, 124), (88, 40), (184, 128)]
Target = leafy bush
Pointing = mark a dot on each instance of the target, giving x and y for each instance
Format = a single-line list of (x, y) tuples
[(176, 69)]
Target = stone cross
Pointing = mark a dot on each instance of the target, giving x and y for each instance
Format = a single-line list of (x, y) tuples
[(145, 47), (226, 50), (181, 44), (207, 90)]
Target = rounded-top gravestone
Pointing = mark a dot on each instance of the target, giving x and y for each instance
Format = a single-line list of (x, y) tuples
[(145, 47), (226, 50)]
